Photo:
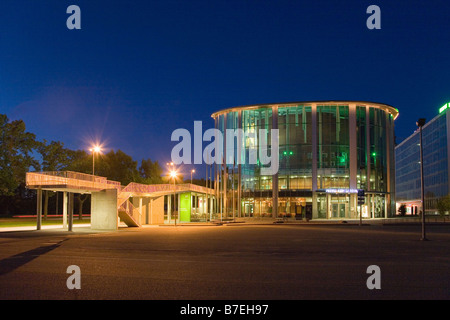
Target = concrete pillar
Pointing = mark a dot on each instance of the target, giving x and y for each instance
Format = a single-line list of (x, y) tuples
[(70, 220), (168, 207), (140, 210), (104, 210), (39, 209), (64, 209), (151, 212), (147, 205)]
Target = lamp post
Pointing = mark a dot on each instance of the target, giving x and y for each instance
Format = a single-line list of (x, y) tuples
[(173, 174), (94, 150), (192, 171), (420, 123)]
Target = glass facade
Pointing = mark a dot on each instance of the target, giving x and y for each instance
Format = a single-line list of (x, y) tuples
[(327, 150), (435, 138)]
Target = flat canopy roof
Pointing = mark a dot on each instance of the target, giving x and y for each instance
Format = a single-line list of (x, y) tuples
[(383, 106)]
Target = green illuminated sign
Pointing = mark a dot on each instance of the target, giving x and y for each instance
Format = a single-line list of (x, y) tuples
[(342, 158), (443, 108), (185, 207)]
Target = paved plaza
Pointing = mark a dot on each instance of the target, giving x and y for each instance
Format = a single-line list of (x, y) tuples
[(279, 262)]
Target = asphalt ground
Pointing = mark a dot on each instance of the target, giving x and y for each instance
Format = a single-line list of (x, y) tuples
[(227, 262)]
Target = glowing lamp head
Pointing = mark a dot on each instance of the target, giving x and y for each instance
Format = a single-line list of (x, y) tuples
[(96, 149), (173, 174)]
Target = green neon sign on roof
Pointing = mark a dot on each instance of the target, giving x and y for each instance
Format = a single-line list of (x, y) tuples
[(443, 108)]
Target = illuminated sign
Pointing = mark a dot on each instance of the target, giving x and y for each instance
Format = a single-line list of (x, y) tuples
[(443, 108), (341, 190)]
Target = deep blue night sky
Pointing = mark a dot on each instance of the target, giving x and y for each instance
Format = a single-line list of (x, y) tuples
[(137, 70)]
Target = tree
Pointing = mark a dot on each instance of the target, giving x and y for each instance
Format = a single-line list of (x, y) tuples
[(16, 158), (79, 161), (150, 172), (54, 158), (118, 166), (443, 205), (81, 199)]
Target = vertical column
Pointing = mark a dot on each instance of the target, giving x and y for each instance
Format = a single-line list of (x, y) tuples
[(216, 171), (239, 160), (178, 211), (275, 176), (353, 145), (368, 198), (353, 158), (65, 209), (39, 209), (389, 139), (169, 207), (447, 114), (70, 222), (211, 204), (314, 159), (140, 210), (224, 166), (151, 212)]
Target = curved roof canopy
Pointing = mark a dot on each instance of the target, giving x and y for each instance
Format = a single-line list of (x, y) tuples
[(382, 106)]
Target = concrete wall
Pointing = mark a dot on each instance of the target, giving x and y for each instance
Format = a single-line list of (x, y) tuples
[(104, 210), (156, 211), (152, 211)]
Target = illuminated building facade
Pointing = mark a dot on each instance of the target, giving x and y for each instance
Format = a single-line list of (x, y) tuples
[(436, 150), (328, 150)]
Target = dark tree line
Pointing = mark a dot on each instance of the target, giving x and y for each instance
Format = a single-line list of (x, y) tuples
[(21, 152)]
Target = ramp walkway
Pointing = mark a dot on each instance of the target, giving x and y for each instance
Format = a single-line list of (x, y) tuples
[(76, 182)]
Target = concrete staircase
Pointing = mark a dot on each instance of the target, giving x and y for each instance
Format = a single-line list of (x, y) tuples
[(126, 209)]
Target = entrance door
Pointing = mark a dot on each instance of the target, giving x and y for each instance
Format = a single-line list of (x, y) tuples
[(338, 210), (342, 210), (334, 210)]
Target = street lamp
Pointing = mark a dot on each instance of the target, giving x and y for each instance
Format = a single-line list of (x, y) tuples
[(192, 171), (173, 174), (420, 123), (94, 150)]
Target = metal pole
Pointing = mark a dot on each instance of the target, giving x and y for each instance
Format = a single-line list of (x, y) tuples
[(174, 199), (360, 215)]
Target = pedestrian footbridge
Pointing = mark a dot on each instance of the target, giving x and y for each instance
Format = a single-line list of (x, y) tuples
[(135, 204)]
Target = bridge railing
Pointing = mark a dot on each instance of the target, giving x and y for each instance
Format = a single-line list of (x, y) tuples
[(69, 179)]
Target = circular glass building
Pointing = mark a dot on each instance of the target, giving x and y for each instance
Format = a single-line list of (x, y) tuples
[(328, 151)]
